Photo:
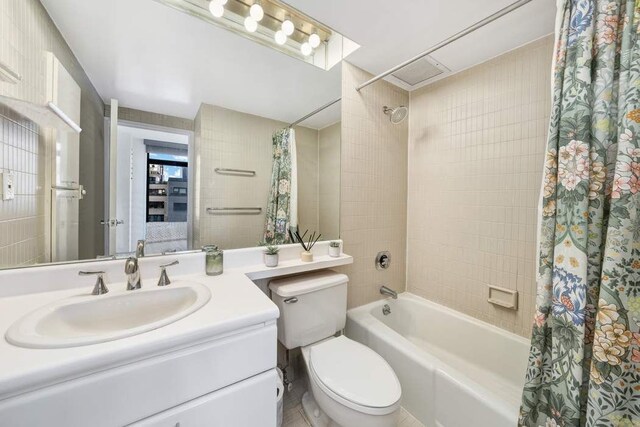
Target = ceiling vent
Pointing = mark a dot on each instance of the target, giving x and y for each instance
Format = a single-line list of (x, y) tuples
[(420, 71)]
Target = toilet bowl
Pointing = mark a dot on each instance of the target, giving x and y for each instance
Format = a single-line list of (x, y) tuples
[(350, 386)]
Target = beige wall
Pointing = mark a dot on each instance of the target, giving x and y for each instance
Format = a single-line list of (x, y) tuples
[(27, 32), (230, 139), (307, 156), (476, 147), (329, 181), (22, 234), (373, 185)]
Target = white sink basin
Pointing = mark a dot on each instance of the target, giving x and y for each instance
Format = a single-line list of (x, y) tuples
[(90, 319)]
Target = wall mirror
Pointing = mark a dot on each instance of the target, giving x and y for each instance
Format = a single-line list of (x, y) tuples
[(164, 124)]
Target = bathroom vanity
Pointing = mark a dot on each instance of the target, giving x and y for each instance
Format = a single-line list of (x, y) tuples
[(201, 368)]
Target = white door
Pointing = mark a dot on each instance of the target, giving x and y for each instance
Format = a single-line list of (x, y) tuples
[(64, 96)]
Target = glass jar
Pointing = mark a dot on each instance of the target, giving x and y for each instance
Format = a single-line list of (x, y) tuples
[(214, 260)]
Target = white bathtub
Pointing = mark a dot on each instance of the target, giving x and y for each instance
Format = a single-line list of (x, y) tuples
[(455, 371)]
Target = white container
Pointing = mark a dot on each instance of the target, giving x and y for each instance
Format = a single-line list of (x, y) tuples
[(334, 251), (271, 260), (312, 307)]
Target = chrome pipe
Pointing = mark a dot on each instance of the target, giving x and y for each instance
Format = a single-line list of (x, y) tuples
[(234, 211), (389, 292), (316, 111), (226, 171)]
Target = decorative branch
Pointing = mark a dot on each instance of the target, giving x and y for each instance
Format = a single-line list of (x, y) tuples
[(313, 239)]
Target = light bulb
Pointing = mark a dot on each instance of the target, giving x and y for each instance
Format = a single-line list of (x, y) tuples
[(256, 12), (280, 37), (288, 27), (216, 9), (250, 24), (306, 49), (314, 40)]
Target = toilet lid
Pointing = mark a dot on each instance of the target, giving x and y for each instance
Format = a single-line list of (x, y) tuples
[(355, 373)]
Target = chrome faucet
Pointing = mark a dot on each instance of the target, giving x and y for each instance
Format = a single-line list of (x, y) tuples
[(390, 292), (99, 288), (133, 274), (140, 249), (164, 279)]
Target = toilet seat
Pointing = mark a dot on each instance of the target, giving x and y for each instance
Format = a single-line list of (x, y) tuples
[(355, 376)]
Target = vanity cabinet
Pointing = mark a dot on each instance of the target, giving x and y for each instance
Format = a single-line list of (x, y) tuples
[(227, 381), (247, 403)]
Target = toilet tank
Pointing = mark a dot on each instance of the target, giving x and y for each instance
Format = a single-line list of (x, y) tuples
[(312, 307)]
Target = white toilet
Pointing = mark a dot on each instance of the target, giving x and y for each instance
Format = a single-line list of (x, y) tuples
[(351, 385)]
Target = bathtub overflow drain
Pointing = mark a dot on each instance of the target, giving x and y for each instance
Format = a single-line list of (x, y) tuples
[(386, 309)]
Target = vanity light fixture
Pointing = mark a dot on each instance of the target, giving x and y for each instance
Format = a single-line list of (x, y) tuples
[(256, 11), (216, 8), (306, 49), (250, 24), (287, 27), (275, 24), (280, 37), (314, 40)]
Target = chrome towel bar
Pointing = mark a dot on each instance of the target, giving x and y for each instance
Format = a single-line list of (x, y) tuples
[(8, 75), (234, 211), (224, 171)]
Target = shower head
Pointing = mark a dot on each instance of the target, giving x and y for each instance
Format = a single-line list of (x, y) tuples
[(396, 115)]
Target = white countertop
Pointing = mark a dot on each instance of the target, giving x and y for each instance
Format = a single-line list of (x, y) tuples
[(236, 304)]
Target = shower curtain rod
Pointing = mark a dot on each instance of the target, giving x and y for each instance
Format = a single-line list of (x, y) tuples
[(468, 30), (314, 112), (450, 40)]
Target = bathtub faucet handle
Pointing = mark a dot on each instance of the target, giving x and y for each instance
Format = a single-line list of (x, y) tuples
[(389, 292)]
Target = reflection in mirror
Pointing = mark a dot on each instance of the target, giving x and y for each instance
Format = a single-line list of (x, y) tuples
[(142, 141), (259, 178)]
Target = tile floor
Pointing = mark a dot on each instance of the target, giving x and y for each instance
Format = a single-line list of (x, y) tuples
[(293, 414)]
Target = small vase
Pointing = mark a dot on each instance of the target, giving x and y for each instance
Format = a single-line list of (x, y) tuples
[(214, 260), (271, 260), (306, 256), (334, 251)]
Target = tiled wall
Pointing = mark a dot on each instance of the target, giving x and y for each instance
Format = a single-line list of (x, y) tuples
[(476, 147), (26, 33), (22, 238), (373, 214), (307, 158), (329, 185), (230, 139)]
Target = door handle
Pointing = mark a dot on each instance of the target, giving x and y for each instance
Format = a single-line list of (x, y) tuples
[(112, 222)]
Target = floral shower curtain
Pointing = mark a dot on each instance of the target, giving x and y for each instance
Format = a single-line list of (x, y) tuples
[(584, 364), (282, 207)]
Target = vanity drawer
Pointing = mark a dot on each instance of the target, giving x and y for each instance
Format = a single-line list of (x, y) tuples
[(249, 403), (123, 395)]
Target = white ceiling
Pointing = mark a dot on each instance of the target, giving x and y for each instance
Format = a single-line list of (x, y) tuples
[(391, 32), (157, 59)]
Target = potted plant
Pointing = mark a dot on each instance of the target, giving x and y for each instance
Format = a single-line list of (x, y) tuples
[(334, 248), (271, 255)]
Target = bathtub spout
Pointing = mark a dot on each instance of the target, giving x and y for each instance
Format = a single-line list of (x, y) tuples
[(390, 292)]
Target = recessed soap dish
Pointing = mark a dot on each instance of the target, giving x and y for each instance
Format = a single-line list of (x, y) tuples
[(507, 298)]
